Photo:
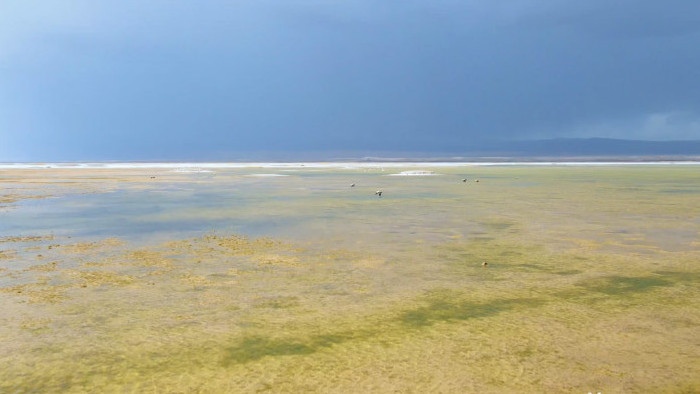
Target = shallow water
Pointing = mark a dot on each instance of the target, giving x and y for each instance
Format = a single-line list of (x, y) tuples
[(111, 280)]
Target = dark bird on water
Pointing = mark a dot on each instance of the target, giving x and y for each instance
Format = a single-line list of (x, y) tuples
[(464, 180), (353, 185), (378, 192)]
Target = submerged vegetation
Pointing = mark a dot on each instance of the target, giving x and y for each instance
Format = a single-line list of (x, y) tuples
[(534, 279)]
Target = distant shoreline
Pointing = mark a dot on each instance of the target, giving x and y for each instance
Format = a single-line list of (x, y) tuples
[(365, 163)]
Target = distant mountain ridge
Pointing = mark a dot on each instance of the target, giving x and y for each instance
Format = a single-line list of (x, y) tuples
[(545, 150), (559, 149), (598, 147)]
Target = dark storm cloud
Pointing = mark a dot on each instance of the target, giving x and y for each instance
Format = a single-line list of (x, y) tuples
[(124, 80)]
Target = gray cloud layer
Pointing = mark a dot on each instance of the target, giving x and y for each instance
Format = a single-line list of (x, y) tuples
[(162, 79)]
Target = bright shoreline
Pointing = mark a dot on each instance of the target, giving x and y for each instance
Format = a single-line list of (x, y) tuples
[(330, 165)]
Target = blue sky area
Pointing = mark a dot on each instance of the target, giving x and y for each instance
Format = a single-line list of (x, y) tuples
[(157, 79)]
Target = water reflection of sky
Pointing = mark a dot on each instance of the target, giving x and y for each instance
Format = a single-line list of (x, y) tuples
[(254, 206), (321, 205), (126, 212)]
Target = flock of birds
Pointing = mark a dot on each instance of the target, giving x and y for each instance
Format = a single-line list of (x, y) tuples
[(379, 193)]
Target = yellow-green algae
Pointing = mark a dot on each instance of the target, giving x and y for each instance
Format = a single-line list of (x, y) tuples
[(592, 284)]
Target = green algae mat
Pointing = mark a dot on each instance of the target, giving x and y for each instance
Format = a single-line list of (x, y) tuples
[(229, 281)]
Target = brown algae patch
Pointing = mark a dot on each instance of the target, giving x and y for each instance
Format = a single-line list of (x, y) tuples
[(145, 258), (38, 293), (196, 281), (48, 267), (87, 247), (242, 245), (36, 325), (369, 262), (7, 254), (98, 278), (7, 200), (27, 238), (231, 245), (277, 260)]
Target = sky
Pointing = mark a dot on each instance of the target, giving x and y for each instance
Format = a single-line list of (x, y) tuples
[(206, 79)]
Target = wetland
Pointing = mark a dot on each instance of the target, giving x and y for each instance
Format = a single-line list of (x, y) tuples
[(289, 279)]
